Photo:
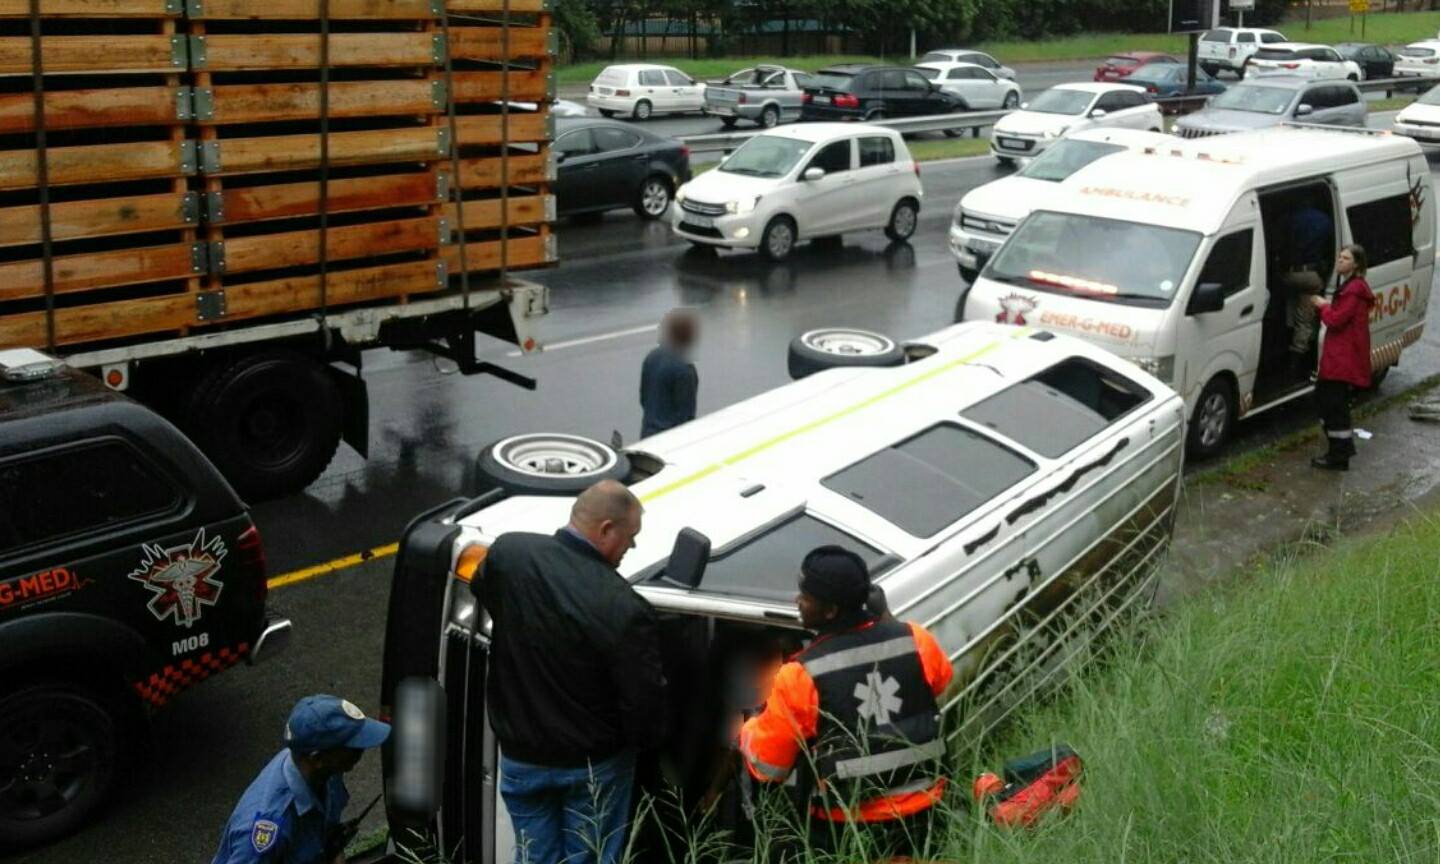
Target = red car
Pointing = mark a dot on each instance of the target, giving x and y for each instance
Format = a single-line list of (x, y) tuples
[(1119, 66)]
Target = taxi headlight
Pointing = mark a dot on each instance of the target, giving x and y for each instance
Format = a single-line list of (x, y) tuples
[(1161, 367), (742, 206)]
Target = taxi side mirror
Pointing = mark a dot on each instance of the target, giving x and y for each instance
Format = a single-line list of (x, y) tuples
[(1208, 297), (1304, 110), (688, 558), (812, 174), (1098, 113), (417, 739)]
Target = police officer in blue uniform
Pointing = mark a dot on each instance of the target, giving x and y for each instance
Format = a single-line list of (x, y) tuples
[(288, 811)]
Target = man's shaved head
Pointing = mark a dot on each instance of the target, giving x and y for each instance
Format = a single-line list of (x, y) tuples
[(608, 515)]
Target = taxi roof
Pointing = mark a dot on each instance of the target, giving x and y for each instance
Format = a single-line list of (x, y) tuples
[(1193, 183), (738, 471)]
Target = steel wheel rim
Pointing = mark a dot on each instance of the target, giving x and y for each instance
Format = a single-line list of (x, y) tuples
[(848, 343), (1011, 100), (555, 455), (643, 110), (904, 220), (1214, 414), (781, 239), (655, 198), (769, 119)]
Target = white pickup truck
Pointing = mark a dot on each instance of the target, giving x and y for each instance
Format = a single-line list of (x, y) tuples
[(765, 95)]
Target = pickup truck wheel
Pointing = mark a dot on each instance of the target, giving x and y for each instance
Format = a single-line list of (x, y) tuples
[(1213, 419), (549, 463), (270, 422), (841, 347), (653, 199), (903, 220), (59, 747), (642, 110), (769, 117), (727, 122)]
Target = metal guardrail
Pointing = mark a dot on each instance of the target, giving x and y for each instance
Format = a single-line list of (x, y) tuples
[(975, 121)]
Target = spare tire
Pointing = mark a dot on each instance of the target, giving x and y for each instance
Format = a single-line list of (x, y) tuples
[(838, 347), (549, 463)]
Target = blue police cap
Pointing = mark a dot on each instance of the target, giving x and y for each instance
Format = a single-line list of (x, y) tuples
[(326, 722)]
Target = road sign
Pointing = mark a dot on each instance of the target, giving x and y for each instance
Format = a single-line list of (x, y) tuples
[(1242, 5), (1359, 7), (1193, 16)]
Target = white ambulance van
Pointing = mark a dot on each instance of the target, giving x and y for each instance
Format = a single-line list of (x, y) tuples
[(1176, 257)]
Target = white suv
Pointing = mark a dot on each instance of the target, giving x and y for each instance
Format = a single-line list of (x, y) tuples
[(1229, 47), (803, 182), (1300, 60), (1419, 60), (640, 90), (1067, 109)]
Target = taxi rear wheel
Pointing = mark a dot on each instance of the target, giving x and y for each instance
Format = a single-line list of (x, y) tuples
[(1213, 419), (59, 749), (549, 463), (841, 347)]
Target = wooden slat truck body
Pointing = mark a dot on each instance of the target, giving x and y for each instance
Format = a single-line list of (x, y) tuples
[(218, 204)]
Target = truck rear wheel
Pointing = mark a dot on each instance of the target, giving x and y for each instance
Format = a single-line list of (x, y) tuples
[(59, 748), (270, 422)]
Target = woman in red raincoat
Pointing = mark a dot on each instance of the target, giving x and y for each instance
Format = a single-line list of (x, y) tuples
[(1345, 357)]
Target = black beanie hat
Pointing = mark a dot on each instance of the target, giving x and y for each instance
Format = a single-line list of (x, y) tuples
[(836, 575)]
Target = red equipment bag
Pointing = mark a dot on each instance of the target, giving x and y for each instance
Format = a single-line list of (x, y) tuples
[(1033, 786)]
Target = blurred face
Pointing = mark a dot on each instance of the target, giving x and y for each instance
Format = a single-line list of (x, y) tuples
[(1345, 264), (615, 538), (814, 612)]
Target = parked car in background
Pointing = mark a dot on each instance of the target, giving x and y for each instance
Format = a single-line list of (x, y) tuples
[(987, 214), (1375, 61), (1228, 48), (765, 95), (607, 165), (1069, 108), (1419, 59), (966, 55), (803, 182), (869, 93), (975, 86), (1302, 61), (1421, 119), (641, 90), (1272, 100), (1172, 80), (1119, 66)]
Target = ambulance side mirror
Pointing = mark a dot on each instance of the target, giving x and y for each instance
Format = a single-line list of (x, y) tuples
[(688, 558), (417, 740), (1208, 297)]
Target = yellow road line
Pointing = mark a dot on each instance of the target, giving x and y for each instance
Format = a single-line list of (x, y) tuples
[(331, 566)]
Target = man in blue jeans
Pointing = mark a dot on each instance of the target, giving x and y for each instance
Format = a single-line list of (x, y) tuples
[(575, 685)]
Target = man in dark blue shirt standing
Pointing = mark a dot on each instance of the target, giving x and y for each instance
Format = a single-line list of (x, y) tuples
[(668, 380)]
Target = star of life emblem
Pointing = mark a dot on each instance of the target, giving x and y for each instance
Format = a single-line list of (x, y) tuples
[(1014, 308), (182, 578), (879, 698)]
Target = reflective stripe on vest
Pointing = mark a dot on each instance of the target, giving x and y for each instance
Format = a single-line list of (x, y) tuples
[(862, 655), (883, 763)]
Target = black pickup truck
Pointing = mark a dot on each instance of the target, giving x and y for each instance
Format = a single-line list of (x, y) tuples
[(129, 571)]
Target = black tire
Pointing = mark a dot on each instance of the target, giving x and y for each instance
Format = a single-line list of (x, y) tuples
[(968, 274), (1210, 69), (874, 115), (769, 117), (773, 244), (727, 122), (1353, 78), (1012, 101), (903, 219), (1214, 418), (607, 113), (826, 348), (704, 250), (1006, 161), (270, 422), (545, 463), (1377, 378), (60, 748), (643, 110), (653, 197)]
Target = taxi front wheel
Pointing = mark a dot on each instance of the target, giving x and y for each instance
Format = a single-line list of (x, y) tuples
[(59, 746), (837, 347), (549, 463)]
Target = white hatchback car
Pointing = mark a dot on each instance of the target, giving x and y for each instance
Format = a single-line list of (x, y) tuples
[(1418, 60), (966, 55), (1067, 109), (810, 181), (1301, 60), (1420, 119), (641, 90), (974, 85)]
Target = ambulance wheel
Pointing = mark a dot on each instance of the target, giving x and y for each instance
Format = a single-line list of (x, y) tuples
[(969, 274), (59, 748), (549, 463), (838, 347), (1213, 419)]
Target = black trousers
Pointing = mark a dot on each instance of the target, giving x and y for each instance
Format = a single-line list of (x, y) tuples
[(1332, 401)]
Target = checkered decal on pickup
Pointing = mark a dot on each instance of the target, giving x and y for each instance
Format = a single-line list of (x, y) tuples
[(161, 686)]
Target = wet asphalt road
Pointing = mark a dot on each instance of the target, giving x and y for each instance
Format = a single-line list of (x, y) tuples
[(617, 276)]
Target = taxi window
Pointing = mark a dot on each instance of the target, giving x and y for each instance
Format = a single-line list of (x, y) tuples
[(767, 567), (931, 480), (1061, 408)]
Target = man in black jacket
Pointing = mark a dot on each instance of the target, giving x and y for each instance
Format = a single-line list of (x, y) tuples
[(669, 383), (575, 683)]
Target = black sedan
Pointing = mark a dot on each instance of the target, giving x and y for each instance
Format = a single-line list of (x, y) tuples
[(607, 165), (853, 92), (1375, 61)]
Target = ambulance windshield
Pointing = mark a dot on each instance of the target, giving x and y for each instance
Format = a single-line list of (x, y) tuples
[(1101, 259)]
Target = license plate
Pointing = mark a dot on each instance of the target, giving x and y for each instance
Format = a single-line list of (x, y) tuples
[(1011, 142), (699, 221), (823, 100), (604, 91)]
